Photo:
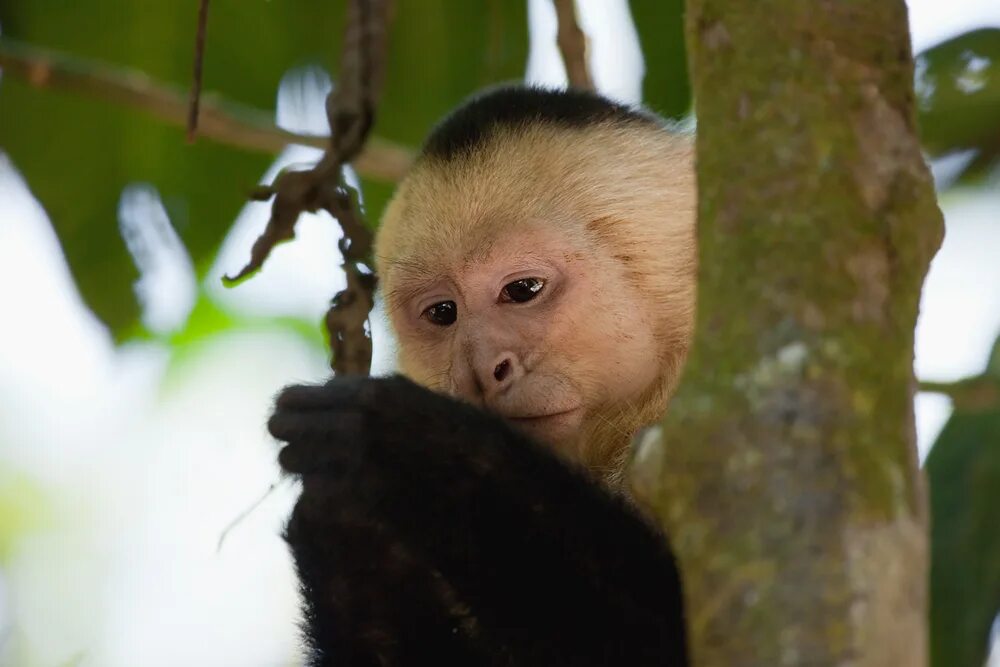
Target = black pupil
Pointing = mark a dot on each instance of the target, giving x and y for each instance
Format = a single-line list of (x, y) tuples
[(443, 313), (523, 290)]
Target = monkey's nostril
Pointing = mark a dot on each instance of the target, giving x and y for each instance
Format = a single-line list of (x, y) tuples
[(501, 370)]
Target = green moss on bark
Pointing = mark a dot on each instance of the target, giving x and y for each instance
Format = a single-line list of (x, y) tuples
[(789, 482)]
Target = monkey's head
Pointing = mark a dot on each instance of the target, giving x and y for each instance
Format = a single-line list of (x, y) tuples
[(539, 261)]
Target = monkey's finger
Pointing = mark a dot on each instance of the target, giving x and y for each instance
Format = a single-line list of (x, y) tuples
[(318, 397), (331, 426), (305, 458)]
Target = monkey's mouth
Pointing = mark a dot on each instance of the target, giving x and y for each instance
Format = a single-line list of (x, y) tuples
[(552, 428), (535, 419)]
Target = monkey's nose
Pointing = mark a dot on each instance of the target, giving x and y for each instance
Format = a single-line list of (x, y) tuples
[(502, 370), (488, 376), (505, 368)]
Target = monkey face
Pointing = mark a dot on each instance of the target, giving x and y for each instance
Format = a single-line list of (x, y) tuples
[(537, 326), (548, 276)]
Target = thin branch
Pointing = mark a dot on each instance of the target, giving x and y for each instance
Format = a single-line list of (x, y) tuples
[(977, 394), (222, 121), (199, 62), (238, 519), (573, 45)]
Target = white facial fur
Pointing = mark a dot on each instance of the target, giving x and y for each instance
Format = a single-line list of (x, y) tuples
[(605, 216)]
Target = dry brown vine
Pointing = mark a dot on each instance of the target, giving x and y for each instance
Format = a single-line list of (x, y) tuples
[(350, 109)]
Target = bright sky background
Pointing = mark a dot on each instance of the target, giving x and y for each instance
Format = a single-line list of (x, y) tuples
[(141, 479), (933, 21)]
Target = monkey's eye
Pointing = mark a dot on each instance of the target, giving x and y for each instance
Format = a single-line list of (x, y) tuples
[(522, 290), (442, 314)]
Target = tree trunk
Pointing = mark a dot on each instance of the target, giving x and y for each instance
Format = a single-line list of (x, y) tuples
[(786, 474)]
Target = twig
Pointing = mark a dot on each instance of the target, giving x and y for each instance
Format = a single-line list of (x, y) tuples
[(346, 319), (350, 109), (199, 61), (978, 394), (238, 519), (221, 121), (573, 45)]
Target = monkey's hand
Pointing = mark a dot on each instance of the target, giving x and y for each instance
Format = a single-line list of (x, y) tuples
[(370, 598), (492, 549)]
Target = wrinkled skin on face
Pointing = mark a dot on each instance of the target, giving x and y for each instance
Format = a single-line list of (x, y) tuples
[(547, 284), (558, 365)]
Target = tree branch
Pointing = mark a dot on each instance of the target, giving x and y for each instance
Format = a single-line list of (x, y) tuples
[(788, 469), (573, 45), (978, 394), (222, 121), (199, 63)]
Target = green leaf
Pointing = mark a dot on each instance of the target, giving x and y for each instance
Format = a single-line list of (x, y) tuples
[(660, 23), (77, 154), (958, 89), (964, 473)]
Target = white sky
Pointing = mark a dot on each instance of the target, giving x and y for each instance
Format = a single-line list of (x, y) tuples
[(933, 21)]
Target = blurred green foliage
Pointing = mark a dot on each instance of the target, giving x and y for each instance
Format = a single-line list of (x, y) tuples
[(77, 154), (964, 474), (660, 24), (958, 90)]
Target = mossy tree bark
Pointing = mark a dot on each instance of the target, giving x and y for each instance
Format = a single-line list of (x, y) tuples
[(787, 475)]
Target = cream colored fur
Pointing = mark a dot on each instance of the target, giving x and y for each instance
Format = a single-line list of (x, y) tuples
[(623, 190)]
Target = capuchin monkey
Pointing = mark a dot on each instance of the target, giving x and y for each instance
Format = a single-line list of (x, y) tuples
[(538, 269)]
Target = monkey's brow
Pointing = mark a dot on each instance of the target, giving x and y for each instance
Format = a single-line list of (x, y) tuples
[(411, 269), (412, 277)]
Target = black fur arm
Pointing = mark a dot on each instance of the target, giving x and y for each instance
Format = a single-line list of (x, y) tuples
[(429, 530)]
